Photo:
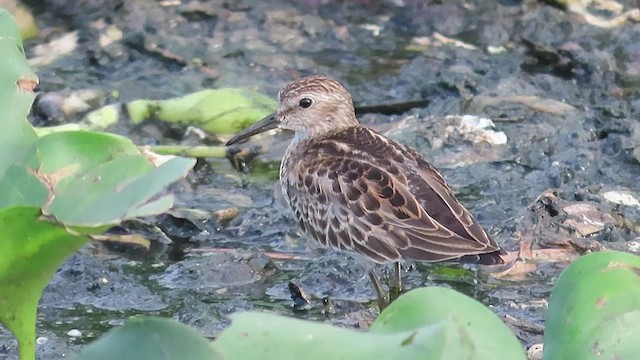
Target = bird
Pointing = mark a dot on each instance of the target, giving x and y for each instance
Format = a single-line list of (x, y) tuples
[(353, 189)]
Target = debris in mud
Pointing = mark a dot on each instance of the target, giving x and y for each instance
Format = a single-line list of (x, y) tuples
[(52, 108), (534, 352), (46, 54), (476, 137), (561, 62), (301, 301), (585, 218), (621, 197), (534, 103), (477, 129), (214, 271)]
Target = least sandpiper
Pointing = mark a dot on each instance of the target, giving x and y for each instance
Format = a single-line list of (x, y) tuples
[(353, 189)]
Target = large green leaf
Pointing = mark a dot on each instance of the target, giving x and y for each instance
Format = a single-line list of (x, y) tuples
[(21, 188), (90, 186), (475, 331), (81, 179), (31, 249), (426, 323), (17, 136), (47, 184), (594, 309), (150, 338), (98, 178)]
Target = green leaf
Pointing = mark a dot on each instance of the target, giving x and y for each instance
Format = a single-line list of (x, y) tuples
[(474, 330), (267, 336), (17, 136), (427, 323), (21, 188), (98, 178), (150, 338), (594, 309), (56, 151), (31, 250), (81, 179), (217, 111)]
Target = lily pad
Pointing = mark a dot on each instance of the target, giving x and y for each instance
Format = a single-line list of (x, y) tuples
[(594, 309), (97, 178), (426, 323), (58, 188), (473, 331), (17, 136), (150, 338)]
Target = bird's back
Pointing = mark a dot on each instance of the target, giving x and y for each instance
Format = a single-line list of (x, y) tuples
[(359, 191)]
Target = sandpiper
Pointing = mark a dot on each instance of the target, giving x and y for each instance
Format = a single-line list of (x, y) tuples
[(353, 189)]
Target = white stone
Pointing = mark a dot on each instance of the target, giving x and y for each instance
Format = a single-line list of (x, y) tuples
[(74, 333), (622, 198)]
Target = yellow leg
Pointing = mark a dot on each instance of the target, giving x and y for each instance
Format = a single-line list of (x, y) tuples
[(395, 288), (383, 300)]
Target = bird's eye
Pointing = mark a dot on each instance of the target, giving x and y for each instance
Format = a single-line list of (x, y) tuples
[(305, 103)]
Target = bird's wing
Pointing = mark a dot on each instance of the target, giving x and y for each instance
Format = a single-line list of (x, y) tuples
[(352, 204), (326, 213), (431, 191)]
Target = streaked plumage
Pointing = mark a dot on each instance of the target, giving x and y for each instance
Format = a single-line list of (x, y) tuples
[(353, 189), (358, 191)]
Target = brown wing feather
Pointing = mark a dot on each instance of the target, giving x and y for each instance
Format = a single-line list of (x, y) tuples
[(398, 205), (364, 210)]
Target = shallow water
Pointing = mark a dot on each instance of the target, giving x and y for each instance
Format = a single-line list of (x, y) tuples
[(578, 147)]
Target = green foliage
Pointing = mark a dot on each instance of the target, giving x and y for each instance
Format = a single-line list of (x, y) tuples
[(17, 135), (98, 178), (31, 249), (53, 182), (216, 111), (150, 338), (425, 323), (594, 309), (464, 323)]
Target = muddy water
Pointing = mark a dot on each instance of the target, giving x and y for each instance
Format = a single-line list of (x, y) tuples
[(564, 92)]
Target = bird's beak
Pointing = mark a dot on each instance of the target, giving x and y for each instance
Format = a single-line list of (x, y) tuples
[(268, 123)]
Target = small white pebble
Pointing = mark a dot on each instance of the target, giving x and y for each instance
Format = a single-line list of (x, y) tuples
[(74, 333), (535, 352), (375, 29), (40, 340), (477, 129), (634, 246), (622, 198), (494, 50)]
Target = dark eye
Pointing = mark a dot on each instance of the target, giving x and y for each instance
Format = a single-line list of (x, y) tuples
[(305, 103)]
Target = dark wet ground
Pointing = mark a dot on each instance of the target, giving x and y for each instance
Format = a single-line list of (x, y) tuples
[(563, 90)]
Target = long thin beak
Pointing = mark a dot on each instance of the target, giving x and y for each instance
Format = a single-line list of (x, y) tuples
[(268, 123)]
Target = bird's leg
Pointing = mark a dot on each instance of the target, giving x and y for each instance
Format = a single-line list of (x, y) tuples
[(383, 300), (395, 288)]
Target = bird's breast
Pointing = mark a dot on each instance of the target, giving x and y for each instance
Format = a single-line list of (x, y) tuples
[(289, 168)]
